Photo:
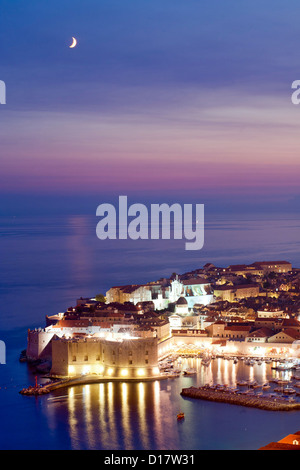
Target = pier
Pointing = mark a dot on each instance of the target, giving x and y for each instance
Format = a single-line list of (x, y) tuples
[(237, 398), (35, 390)]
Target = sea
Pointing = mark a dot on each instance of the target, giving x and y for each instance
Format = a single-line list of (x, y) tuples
[(47, 262)]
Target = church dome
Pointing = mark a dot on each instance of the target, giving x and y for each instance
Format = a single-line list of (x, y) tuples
[(181, 301)]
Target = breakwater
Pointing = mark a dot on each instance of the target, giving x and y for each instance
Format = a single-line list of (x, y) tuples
[(261, 402)]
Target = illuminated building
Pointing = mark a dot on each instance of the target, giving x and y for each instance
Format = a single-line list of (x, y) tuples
[(194, 290), (273, 266), (124, 358), (232, 293)]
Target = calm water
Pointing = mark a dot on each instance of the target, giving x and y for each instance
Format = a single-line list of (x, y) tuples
[(47, 263)]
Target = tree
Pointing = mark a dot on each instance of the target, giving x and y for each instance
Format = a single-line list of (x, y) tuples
[(100, 298)]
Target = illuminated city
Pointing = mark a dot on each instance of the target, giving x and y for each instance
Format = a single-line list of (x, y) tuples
[(209, 312), (149, 228)]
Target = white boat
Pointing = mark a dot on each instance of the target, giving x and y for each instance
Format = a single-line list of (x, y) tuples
[(189, 372), (266, 386), (284, 366), (206, 361), (242, 383), (289, 390)]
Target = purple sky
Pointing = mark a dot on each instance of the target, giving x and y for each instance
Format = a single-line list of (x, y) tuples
[(180, 97)]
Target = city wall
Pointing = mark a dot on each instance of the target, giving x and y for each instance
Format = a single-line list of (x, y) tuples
[(128, 358)]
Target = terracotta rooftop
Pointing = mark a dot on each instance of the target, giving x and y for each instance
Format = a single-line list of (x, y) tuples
[(279, 446), (271, 263), (194, 281), (239, 286)]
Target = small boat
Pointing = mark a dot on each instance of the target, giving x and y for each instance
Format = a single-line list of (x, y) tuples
[(253, 384), (289, 390), (189, 372), (180, 416), (249, 362), (284, 366), (171, 375), (205, 363), (242, 383), (266, 386)]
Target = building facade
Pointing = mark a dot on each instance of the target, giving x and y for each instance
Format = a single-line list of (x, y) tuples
[(232, 293), (127, 358)]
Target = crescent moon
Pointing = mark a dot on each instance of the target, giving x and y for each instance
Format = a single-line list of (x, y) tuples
[(73, 43)]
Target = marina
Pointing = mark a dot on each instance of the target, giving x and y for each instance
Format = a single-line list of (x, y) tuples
[(246, 381)]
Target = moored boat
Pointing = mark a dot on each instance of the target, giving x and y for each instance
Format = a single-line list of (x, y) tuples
[(266, 386), (189, 372)]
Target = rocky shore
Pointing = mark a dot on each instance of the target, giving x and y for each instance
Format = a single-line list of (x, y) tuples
[(262, 402)]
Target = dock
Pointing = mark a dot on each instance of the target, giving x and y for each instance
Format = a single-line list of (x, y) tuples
[(35, 390), (261, 402)]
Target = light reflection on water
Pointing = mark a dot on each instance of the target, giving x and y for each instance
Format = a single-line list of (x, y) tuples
[(48, 262), (67, 260), (143, 415)]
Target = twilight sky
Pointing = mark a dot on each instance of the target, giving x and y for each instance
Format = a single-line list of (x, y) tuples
[(162, 97)]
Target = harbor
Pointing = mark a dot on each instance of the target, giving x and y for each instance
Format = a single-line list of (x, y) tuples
[(266, 383)]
